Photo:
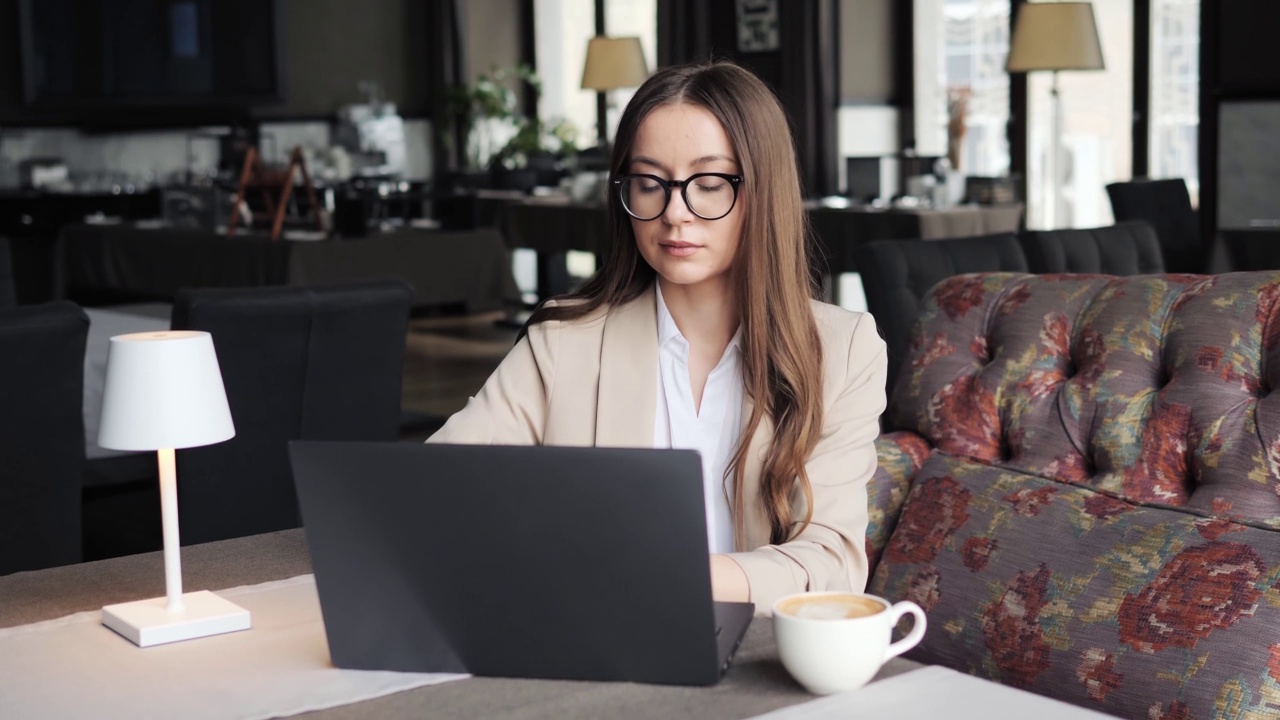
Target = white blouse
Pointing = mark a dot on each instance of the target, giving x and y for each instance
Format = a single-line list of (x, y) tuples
[(713, 432)]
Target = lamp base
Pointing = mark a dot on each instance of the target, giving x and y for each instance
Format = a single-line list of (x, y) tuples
[(149, 622)]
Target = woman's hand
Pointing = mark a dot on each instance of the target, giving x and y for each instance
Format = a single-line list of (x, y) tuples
[(728, 581)]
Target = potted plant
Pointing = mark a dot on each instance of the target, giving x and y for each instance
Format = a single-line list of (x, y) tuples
[(537, 153), (488, 115)]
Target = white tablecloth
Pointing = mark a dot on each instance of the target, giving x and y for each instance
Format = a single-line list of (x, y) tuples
[(934, 692), (74, 667)]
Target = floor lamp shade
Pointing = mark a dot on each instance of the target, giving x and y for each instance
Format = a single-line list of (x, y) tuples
[(1055, 36), (163, 390), (613, 63)]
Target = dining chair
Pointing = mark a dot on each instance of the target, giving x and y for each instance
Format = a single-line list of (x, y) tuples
[(313, 363), (8, 294), (1243, 249), (41, 435), (1165, 204)]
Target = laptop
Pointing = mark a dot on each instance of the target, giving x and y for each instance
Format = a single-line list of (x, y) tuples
[(530, 562)]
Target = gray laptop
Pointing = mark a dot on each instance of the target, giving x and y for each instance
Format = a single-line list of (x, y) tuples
[(534, 562)]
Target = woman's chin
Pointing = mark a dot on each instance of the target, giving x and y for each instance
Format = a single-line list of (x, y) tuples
[(684, 274)]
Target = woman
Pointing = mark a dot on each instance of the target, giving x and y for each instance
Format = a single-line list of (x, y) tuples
[(699, 331)]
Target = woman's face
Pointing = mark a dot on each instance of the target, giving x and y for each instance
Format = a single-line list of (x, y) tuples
[(672, 143)]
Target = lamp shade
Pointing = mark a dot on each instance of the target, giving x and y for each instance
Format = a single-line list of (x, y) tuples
[(163, 390), (612, 63), (1055, 36)]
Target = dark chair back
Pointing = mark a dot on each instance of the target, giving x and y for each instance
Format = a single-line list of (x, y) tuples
[(1128, 248), (896, 275), (1165, 204), (41, 435), (315, 363), (1246, 249), (8, 293)]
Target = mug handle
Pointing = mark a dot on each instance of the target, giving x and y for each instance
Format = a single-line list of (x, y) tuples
[(914, 637)]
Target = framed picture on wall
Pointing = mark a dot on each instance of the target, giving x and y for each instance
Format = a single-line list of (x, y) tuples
[(757, 25)]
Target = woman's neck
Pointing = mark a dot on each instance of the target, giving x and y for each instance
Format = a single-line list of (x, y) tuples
[(705, 313)]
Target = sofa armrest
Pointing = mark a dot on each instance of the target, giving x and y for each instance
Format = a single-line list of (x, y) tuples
[(899, 454)]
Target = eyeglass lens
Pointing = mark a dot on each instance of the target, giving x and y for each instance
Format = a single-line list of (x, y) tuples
[(708, 196)]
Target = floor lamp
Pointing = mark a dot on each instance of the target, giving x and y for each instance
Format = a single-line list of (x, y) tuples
[(1055, 36), (612, 63)]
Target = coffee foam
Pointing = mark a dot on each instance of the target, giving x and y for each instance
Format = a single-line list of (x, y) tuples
[(831, 607)]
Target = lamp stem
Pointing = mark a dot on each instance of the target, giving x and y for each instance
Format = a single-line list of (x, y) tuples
[(1055, 152), (602, 118), (169, 523)]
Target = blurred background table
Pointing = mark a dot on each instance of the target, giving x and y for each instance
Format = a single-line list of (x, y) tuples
[(468, 270), (838, 231)]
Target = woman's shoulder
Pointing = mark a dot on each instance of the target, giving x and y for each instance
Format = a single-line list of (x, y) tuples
[(838, 326), (588, 323)]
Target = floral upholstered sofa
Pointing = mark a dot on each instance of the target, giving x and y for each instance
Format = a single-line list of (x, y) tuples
[(1083, 489)]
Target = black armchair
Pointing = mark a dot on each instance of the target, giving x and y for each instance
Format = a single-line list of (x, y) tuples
[(1128, 248), (319, 363), (41, 435), (896, 275)]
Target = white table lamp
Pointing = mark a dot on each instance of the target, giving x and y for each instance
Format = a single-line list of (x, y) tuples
[(164, 391)]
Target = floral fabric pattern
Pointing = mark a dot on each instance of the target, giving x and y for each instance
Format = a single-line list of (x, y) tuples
[(1099, 518), (1149, 388), (899, 456), (1121, 611)]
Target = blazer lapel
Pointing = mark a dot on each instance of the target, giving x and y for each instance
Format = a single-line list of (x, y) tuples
[(628, 390)]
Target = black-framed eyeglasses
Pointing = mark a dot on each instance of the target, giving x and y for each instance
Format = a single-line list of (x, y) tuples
[(710, 196)]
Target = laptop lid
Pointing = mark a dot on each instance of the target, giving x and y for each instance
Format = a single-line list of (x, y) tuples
[(537, 562)]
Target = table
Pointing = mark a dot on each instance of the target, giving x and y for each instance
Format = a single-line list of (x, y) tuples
[(840, 231), (471, 269), (755, 684), (553, 227)]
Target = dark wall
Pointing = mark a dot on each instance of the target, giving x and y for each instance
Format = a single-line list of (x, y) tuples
[(1239, 136), (328, 46), (802, 71), (325, 48)]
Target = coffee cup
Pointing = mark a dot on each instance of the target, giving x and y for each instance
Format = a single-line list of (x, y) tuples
[(832, 642)]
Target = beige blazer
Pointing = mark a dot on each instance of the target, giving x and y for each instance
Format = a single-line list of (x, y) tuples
[(593, 382)]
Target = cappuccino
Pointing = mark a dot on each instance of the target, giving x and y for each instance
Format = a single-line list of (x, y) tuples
[(831, 607)]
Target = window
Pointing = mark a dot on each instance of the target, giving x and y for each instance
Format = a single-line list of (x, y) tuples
[(563, 28), (1175, 88), (962, 96), (624, 18)]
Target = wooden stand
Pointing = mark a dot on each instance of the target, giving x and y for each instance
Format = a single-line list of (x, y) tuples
[(273, 181)]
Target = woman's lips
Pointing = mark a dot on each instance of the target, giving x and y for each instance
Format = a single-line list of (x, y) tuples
[(678, 249)]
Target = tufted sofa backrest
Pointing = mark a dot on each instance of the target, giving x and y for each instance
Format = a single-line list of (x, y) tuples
[(1155, 389)]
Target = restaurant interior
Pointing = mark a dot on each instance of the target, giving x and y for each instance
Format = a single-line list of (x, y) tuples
[(363, 201)]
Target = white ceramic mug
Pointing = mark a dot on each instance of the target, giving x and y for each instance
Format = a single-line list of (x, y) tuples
[(831, 642)]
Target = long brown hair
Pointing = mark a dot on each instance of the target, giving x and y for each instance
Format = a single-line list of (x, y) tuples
[(781, 351)]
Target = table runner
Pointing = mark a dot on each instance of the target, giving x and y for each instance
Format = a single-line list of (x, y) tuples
[(75, 667)]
